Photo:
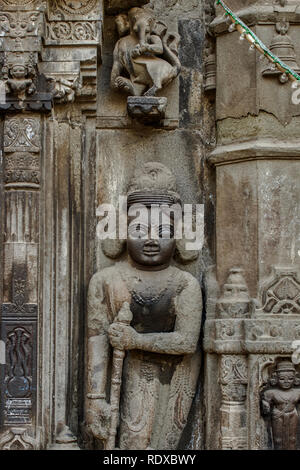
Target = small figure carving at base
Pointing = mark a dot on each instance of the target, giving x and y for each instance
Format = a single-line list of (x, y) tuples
[(280, 403)]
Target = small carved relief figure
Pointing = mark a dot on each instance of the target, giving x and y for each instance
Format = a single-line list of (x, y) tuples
[(152, 311), (280, 403), (146, 59), (19, 75)]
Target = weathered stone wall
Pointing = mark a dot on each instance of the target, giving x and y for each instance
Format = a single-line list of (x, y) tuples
[(69, 143)]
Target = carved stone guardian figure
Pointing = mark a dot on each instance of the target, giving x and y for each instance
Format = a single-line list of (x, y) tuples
[(280, 403), (145, 61), (19, 73), (163, 305)]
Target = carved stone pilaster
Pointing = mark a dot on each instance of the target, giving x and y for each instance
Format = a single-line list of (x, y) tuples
[(233, 376), (20, 254), (49, 54)]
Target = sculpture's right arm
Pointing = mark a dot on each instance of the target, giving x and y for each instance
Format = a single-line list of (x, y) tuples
[(266, 402), (117, 67), (97, 410), (98, 341)]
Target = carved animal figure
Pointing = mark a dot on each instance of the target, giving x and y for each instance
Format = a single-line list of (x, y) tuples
[(146, 59)]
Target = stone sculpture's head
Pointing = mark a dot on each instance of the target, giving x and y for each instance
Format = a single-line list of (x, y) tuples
[(18, 71), (286, 375), (152, 184), (151, 241), (141, 23)]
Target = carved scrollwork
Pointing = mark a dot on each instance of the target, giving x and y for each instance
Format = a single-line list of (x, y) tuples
[(22, 167), (281, 294), (17, 439), (83, 31), (22, 134), (17, 3), (233, 370), (74, 7), (22, 160)]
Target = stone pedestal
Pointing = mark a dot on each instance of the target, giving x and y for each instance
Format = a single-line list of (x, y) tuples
[(147, 109)]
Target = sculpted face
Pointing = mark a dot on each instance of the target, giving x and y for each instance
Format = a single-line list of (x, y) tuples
[(144, 251), (140, 22), (18, 71), (286, 379)]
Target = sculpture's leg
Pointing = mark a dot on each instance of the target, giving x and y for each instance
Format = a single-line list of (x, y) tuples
[(277, 430), (292, 431), (181, 393), (139, 397), (152, 91)]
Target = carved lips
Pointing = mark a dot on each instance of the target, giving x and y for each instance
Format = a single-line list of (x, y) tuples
[(151, 248)]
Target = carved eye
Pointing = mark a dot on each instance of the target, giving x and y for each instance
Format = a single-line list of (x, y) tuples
[(166, 231), (138, 231)]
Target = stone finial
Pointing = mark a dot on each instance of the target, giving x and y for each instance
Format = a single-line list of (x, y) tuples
[(235, 300)]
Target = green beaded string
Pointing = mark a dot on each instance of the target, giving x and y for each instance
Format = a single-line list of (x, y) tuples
[(257, 42)]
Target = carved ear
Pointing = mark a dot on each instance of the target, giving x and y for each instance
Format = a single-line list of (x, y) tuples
[(113, 248), (185, 256), (297, 379), (159, 28), (123, 25), (273, 379), (172, 40)]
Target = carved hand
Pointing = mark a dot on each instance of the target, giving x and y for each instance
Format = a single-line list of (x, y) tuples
[(122, 336), (138, 50), (98, 413), (265, 407)]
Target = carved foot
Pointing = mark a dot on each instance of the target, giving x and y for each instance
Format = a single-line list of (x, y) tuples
[(125, 85)]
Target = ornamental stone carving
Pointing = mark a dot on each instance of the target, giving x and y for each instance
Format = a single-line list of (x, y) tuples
[(145, 61), (19, 74), (233, 380), (280, 294), (150, 313)]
